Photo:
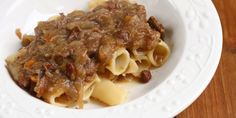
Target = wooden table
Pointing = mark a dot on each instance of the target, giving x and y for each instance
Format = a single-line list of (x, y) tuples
[(219, 99)]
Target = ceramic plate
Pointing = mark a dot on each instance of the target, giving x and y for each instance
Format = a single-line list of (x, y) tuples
[(193, 33)]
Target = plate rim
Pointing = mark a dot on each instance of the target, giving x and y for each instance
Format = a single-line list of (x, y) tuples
[(173, 107)]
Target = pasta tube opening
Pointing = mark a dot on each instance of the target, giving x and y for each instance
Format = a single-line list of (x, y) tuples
[(144, 64), (119, 62), (62, 99), (159, 55), (139, 55), (59, 98)]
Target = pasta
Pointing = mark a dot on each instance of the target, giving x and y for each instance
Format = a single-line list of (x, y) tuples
[(132, 67), (159, 55), (53, 18), (58, 97), (88, 89), (95, 3), (119, 62), (81, 55), (144, 63), (107, 92), (14, 69)]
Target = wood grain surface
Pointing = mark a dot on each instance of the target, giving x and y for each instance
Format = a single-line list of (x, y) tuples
[(219, 99)]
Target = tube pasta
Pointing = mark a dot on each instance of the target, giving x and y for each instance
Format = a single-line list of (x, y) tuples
[(138, 56), (119, 62), (108, 93), (68, 93), (133, 67), (53, 18), (58, 98), (95, 3), (88, 89), (141, 60), (11, 65), (159, 55), (143, 64)]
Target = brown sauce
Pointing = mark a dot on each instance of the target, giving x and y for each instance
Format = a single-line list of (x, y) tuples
[(66, 52)]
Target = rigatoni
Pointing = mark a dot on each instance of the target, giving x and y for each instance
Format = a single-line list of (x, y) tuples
[(119, 62), (59, 98), (132, 67), (159, 55), (83, 54), (89, 88), (110, 94)]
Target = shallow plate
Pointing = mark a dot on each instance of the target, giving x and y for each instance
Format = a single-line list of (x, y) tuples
[(193, 33)]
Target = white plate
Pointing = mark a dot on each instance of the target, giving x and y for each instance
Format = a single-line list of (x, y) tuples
[(193, 33)]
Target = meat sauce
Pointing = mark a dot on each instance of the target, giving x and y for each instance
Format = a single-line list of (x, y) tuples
[(68, 51)]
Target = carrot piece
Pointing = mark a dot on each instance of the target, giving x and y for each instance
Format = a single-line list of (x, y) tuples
[(34, 78), (29, 63)]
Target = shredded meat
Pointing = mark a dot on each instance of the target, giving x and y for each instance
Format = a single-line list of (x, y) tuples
[(67, 51)]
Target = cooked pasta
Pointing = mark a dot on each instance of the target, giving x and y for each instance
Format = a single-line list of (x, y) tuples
[(119, 62), (10, 61), (108, 93), (88, 89), (144, 63), (81, 55), (58, 97), (53, 18), (95, 3), (159, 55), (139, 55), (132, 67)]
